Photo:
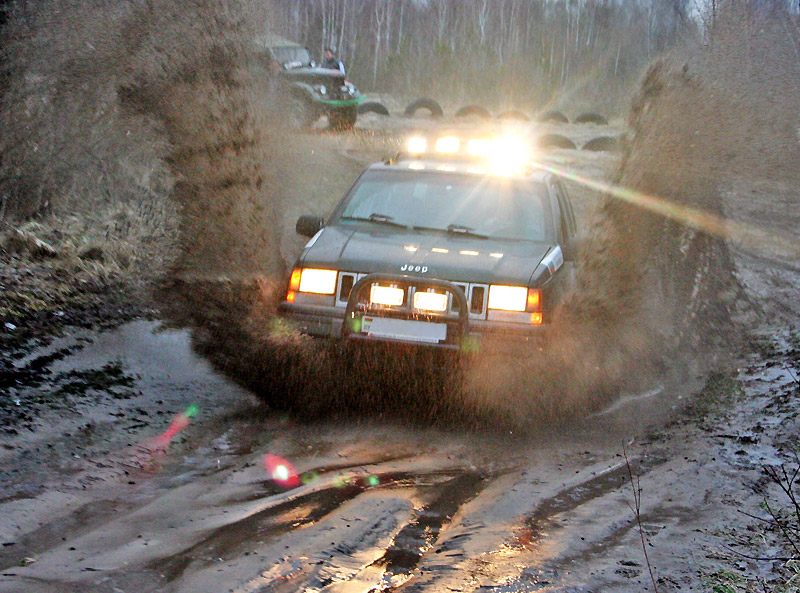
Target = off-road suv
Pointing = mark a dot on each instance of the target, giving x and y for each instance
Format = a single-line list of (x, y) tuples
[(448, 240), (311, 91)]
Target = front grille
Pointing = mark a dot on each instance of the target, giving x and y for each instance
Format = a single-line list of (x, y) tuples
[(477, 299)]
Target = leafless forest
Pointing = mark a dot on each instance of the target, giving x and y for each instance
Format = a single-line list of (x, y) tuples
[(499, 52)]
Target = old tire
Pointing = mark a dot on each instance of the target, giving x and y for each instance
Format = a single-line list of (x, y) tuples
[(591, 118), (602, 144), (555, 141), (424, 103), (555, 116), (342, 120), (513, 114), (373, 107), (474, 110)]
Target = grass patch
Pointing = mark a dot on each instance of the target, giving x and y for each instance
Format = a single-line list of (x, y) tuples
[(725, 581), (722, 388)]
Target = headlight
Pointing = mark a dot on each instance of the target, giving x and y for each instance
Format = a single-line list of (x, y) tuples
[(508, 298), (321, 89), (386, 295), (430, 301), (317, 281)]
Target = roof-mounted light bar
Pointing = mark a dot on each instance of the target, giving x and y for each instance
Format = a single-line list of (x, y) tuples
[(502, 155)]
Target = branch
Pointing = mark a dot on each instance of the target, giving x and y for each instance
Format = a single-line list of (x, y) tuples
[(637, 499)]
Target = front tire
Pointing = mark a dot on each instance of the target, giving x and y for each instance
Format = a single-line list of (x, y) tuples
[(301, 113), (342, 120)]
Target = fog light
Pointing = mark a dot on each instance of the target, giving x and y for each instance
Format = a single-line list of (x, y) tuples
[(386, 295), (430, 301)]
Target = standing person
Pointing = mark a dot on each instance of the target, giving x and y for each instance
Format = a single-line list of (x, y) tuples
[(330, 61)]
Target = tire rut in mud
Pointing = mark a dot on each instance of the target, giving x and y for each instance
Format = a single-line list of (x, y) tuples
[(398, 561), (541, 521)]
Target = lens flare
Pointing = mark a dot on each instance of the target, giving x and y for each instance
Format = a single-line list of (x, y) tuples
[(747, 236), (280, 471), (180, 422)]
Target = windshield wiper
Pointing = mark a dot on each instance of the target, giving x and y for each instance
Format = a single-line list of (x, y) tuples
[(377, 217), (454, 229)]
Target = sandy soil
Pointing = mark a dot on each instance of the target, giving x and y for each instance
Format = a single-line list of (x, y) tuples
[(123, 488)]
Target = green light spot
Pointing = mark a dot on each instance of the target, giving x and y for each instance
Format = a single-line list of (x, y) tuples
[(191, 411), (309, 477), (373, 481)]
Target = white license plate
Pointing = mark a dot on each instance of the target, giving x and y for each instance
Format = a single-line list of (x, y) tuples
[(404, 329)]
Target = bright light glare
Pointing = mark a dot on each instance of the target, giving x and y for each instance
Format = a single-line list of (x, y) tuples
[(318, 281), (416, 166), (386, 295), (281, 473), (479, 147), (417, 145), (430, 301), (509, 156), (508, 298), (447, 144)]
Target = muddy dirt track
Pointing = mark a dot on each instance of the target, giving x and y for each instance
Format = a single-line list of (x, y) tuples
[(132, 488)]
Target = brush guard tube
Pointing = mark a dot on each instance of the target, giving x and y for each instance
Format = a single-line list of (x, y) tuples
[(457, 327)]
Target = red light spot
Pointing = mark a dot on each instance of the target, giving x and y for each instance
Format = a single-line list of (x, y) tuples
[(280, 471)]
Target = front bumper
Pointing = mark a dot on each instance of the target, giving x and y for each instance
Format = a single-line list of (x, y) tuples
[(339, 103), (463, 332)]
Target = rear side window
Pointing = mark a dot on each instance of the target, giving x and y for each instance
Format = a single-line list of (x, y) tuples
[(568, 226)]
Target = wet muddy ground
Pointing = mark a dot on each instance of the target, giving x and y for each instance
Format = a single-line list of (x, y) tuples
[(99, 503), (132, 466)]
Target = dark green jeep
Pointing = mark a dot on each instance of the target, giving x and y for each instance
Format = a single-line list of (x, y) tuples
[(311, 91), (449, 240)]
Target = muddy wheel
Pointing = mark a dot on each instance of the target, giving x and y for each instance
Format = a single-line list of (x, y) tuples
[(555, 116), (475, 110), (373, 107), (602, 144), (343, 119), (518, 115), (424, 103), (591, 118), (555, 141), (301, 113)]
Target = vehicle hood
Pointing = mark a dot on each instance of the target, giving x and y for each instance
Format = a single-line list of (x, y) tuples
[(412, 253)]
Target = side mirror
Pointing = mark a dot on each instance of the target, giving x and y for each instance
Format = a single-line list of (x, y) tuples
[(308, 226)]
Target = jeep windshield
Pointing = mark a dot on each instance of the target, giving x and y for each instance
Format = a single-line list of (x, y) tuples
[(291, 56), (474, 206)]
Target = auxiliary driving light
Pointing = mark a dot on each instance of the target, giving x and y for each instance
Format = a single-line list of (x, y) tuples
[(430, 301), (448, 144), (417, 145), (386, 295), (479, 147)]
